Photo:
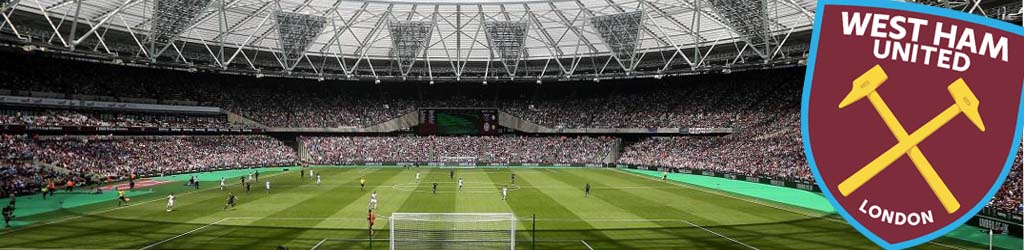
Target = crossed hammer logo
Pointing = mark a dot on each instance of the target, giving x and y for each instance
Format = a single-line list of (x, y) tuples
[(965, 103)]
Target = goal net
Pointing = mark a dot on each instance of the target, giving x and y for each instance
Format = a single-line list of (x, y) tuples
[(458, 159), (418, 231)]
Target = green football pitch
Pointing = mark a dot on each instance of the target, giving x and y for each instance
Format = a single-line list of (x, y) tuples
[(626, 211)]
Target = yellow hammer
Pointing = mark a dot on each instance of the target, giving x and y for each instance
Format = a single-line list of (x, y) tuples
[(866, 85)]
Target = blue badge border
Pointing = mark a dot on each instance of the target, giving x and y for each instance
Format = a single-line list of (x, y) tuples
[(998, 24)]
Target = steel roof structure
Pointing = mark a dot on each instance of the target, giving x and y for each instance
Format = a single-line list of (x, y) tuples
[(421, 39), (448, 39)]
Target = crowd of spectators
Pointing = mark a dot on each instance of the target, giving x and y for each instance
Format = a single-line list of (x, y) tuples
[(59, 117), (773, 152), (763, 106), (1009, 196), (96, 158), (20, 173), (768, 143), (720, 101), (465, 149), (698, 105), (148, 155), (304, 109)]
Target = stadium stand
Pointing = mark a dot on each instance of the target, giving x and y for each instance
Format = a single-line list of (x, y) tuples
[(762, 105), (503, 149), (89, 159), (705, 102), (774, 151), (1008, 199), (63, 117)]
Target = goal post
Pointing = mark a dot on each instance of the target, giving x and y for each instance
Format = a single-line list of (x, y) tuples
[(483, 231), (458, 159)]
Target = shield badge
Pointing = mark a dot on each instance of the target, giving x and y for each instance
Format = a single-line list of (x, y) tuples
[(911, 114)]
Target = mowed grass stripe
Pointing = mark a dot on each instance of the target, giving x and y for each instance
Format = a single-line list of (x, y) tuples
[(215, 203), (480, 194), (681, 232), (639, 216), (326, 203), (127, 227), (695, 201), (349, 222), (651, 210), (337, 210), (422, 201), (782, 228), (528, 202), (774, 226), (250, 206), (291, 201)]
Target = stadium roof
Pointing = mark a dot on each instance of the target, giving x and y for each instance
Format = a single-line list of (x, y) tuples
[(428, 38)]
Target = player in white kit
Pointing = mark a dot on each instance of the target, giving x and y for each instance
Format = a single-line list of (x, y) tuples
[(373, 200), (170, 202), (460, 184), (417, 176), (504, 192), (268, 187), (317, 179), (222, 185)]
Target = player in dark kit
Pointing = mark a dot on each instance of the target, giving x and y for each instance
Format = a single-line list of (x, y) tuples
[(435, 188), (451, 174), (513, 178), (231, 201), (248, 187), (586, 190), (8, 215)]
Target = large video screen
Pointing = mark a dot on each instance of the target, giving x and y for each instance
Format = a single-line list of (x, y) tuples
[(458, 122)]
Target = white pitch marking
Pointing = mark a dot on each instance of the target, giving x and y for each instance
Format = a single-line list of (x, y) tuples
[(29, 248), (719, 235), (186, 233), (587, 245), (318, 244), (304, 218), (113, 209), (760, 203), (601, 220)]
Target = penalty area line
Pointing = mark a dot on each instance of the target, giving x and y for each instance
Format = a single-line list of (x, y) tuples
[(721, 193), (318, 244), (719, 235), (183, 234), (586, 245), (114, 209), (29, 248)]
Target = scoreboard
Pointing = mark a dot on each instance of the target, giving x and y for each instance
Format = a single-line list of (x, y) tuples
[(458, 122)]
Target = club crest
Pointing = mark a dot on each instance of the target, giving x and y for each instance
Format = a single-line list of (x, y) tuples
[(911, 114)]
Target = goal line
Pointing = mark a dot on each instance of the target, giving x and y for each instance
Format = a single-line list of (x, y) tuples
[(484, 231)]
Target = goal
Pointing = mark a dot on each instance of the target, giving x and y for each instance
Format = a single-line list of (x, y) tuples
[(458, 159), (483, 231)]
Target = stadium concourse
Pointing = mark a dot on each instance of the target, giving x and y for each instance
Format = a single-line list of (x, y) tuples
[(272, 125)]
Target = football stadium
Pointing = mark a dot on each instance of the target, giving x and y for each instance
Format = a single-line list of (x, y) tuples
[(412, 124)]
